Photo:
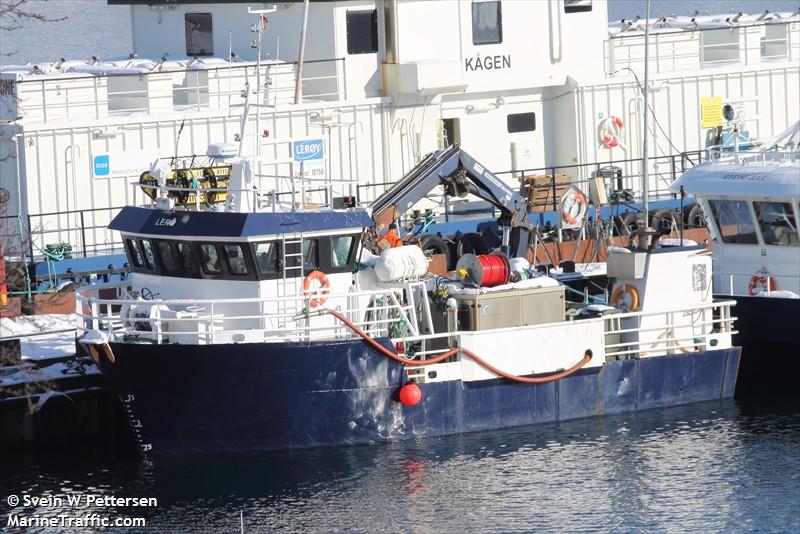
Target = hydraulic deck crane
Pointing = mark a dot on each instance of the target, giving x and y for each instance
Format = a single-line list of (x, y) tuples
[(460, 174)]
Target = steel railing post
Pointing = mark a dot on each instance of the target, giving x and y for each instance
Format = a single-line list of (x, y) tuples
[(83, 234)]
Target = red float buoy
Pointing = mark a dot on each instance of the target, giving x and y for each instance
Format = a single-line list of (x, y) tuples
[(410, 394)]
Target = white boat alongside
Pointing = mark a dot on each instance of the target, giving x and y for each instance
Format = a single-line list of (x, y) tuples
[(752, 202)]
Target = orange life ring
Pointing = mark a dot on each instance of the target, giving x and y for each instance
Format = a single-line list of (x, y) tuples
[(760, 280), (610, 132), (324, 287), (567, 211), (631, 291), (109, 353), (93, 353)]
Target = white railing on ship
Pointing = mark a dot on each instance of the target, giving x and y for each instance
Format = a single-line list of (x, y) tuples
[(704, 327), (728, 282), (758, 156), (295, 322), (670, 49), (316, 196)]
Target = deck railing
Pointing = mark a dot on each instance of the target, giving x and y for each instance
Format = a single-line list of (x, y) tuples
[(686, 49), (379, 313), (637, 334)]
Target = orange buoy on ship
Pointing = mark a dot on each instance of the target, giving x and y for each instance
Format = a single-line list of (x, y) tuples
[(410, 394)]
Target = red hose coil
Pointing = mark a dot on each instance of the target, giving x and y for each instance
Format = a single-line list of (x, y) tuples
[(496, 270), (587, 356)]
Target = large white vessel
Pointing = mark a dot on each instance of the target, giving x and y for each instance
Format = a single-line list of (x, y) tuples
[(532, 87)]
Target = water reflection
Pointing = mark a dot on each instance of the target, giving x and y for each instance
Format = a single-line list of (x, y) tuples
[(714, 466)]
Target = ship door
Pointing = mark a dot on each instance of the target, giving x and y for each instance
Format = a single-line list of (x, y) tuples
[(449, 132)]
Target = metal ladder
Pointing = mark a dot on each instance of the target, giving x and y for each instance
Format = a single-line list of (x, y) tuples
[(291, 282)]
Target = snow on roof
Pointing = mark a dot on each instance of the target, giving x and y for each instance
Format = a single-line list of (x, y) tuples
[(119, 66), (667, 24), (746, 179)]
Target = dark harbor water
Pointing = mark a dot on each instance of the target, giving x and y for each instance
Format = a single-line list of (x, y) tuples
[(713, 467)]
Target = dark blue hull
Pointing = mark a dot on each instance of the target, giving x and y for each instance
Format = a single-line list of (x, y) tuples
[(184, 398), (769, 334)]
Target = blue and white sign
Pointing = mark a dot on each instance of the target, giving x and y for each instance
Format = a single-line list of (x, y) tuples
[(102, 166), (122, 164), (308, 158), (308, 150)]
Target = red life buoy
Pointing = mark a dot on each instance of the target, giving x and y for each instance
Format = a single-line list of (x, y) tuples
[(319, 279), (573, 208), (610, 132), (760, 282)]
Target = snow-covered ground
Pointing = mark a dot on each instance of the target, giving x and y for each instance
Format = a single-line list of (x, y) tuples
[(42, 347)]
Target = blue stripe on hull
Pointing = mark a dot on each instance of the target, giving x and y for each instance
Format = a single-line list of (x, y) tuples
[(274, 396)]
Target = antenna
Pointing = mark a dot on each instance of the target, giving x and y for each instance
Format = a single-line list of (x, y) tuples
[(177, 140), (644, 233)]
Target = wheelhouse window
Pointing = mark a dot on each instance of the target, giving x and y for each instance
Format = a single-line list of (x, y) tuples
[(777, 224), (487, 27), (340, 250), (235, 257), (734, 221), (521, 122), (577, 6), (720, 47), (267, 257), (134, 253), (199, 35), (186, 258), (167, 256), (362, 32), (149, 256), (209, 258), (310, 254)]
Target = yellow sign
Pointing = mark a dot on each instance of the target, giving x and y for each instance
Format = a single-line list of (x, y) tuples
[(711, 111)]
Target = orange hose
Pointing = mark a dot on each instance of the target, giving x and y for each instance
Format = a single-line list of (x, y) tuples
[(587, 356)]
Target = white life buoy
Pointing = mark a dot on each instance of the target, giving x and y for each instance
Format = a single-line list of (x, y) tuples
[(609, 132)]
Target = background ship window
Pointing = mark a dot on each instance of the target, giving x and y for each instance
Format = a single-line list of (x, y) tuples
[(149, 257), (167, 256), (267, 257), (134, 253), (450, 132), (521, 122), (577, 6), (777, 223), (310, 254), (186, 258), (487, 27), (773, 43), (720, 46), (127, 94), (362, 32), (734, 221), (199, 36), (190, 89), (235, 258), (340, 250), (210, 259)]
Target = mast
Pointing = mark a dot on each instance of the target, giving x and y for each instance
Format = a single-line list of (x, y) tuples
[(298, 94), (644, 240)]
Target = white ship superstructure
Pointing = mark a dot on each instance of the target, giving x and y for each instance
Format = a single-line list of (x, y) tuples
[(524, 85)]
